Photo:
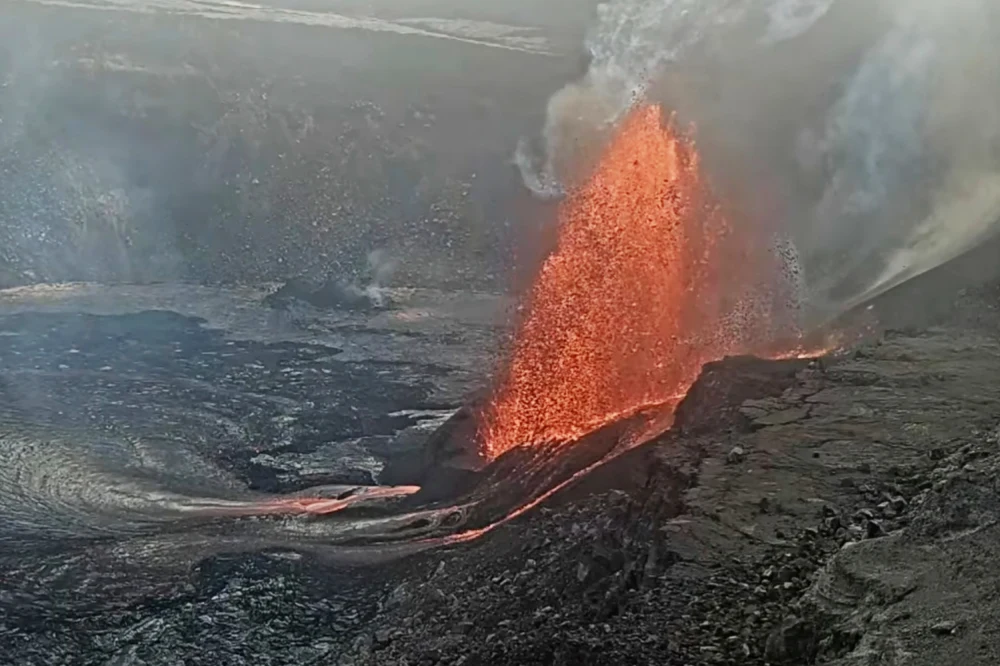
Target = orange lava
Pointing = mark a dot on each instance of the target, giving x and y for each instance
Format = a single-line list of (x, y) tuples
[(648, 282), (316, 506)]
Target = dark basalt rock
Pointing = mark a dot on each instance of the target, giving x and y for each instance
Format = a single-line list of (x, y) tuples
[(794, 642), (330, 295), (716, 398)]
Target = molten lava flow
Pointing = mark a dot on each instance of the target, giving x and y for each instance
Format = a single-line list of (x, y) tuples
[(648, 282)]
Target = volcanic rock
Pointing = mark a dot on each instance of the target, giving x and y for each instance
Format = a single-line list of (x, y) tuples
[(945, 628), (332, 294), (783, 417), (674, 540), (382, 638), (736, 455), (794, 642), (760, 582)]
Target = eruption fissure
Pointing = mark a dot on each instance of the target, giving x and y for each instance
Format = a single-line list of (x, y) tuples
[(648, 282)]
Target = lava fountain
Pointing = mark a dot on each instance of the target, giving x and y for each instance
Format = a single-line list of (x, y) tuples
[(647, 283)]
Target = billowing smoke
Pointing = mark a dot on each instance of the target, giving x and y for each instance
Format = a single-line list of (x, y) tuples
[(867, 134)]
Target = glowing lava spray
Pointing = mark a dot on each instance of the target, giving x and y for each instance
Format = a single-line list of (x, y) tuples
[(647, 283)]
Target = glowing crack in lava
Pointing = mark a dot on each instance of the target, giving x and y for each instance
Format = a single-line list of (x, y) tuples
[(647, 283)]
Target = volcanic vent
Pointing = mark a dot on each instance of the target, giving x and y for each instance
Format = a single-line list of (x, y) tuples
[(648, 282)]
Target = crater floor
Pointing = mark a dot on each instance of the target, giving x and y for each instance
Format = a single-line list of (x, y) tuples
[(841, 511)]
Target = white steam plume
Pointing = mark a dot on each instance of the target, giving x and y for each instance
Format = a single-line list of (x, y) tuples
[(914, 138), (381, 268), (629, 44), (874, 124)]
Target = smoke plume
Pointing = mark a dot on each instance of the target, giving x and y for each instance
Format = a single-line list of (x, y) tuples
[(864, 134)]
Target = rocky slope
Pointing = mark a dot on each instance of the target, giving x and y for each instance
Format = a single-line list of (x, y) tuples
[(847, 517)]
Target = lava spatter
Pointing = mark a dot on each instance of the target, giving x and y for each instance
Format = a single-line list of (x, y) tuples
[(647, 283)]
